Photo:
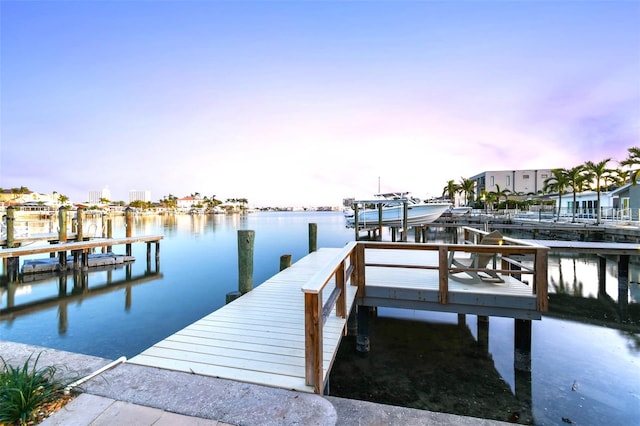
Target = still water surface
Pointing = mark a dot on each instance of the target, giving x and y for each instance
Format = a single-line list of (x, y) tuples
[(583, 373)]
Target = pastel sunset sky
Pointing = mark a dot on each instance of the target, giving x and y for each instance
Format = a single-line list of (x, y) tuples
[(308, 102)]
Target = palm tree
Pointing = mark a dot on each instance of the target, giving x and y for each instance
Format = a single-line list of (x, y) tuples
[(559, 183), (63, 199), (632, 161), (499, 193), (467, 186), (600, 174), (577, 178), (450, 190)]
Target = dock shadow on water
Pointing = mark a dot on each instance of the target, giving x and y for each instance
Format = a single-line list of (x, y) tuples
[(426, 365)]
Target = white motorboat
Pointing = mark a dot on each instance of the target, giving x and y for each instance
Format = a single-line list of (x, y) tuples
[(418, 212)]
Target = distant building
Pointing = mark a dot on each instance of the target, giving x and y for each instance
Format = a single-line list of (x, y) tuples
[(516, 181), (135, 195), (96, 196), (187, 203)]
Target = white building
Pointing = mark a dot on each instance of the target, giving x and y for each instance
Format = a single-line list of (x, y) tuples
[(95, 196), (135, 195), (187, 203), (516, 181)]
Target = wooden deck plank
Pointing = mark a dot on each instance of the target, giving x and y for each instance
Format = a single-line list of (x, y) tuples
[(247, 376)]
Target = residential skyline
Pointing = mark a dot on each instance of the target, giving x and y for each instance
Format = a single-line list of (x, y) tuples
[(307, 103)]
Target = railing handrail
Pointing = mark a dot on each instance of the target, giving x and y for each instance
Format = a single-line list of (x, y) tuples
[(320, 279)]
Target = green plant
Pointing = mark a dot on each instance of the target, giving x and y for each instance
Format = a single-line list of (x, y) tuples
[(24, 390)]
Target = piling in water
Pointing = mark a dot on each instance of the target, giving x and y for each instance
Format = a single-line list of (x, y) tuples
[(246, 239), (62, 224), (313, 237)]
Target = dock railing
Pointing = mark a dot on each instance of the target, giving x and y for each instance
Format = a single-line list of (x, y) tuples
[(343, 270), (348, 268)]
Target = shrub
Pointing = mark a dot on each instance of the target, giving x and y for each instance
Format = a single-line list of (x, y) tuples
[(24, 389)]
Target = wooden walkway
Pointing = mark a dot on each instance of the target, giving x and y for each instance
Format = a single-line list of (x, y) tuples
[(258, 338), (281, 335)]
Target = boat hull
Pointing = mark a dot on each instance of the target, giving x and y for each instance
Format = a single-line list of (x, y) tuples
[(417, 214)]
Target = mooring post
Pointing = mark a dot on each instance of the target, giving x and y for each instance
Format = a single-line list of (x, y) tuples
[(62, 224), (10, 222), (109, 233), (285, 261), (80, 219), (313, 237), (362, 340), (246, 240), (623, 286), (128, 215)]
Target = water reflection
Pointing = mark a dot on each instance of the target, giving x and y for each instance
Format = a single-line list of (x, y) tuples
[(58, 290)]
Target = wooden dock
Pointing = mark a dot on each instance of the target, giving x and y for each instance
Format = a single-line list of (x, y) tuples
[(285, 333), (259, 337), (79, 249)]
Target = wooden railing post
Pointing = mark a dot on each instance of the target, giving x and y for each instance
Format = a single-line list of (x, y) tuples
[(540, 284), (341, 303), (313, 344), (443, 269), (359, 274)]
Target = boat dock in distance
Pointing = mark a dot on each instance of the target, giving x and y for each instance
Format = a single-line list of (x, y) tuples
[(285, 333)]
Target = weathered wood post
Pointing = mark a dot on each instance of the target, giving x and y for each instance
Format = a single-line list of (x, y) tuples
[(12, 263), (313, 237), (62, 224), (109, 233), (80, 219), (128, 214), (62, 237), (623, 287), (10, 222), (246, 240), (285, 261)]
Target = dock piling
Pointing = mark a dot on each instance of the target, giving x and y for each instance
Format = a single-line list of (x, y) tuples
[(285, 261), (62, 224), (313, 237), (11, 211)]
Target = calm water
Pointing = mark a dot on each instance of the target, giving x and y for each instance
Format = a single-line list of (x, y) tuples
[(589, 374)]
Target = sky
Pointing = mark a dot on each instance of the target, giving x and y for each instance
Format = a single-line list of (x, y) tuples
[(304, 103)]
